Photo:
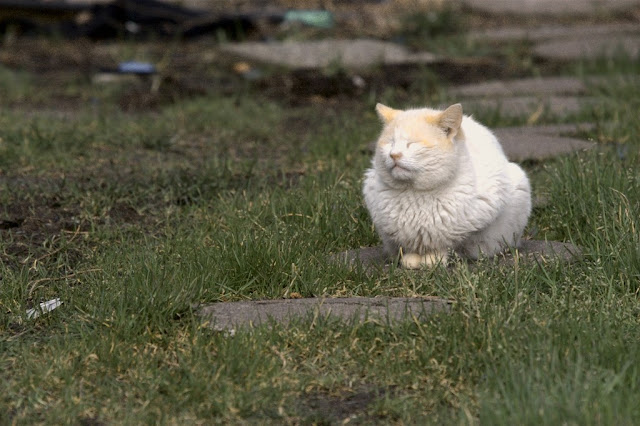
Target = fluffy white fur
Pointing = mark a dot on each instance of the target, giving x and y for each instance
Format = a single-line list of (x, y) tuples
[(440, 181)]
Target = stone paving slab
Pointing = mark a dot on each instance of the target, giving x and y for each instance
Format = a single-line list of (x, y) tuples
[(517, 106), (231, 315), (526, 143), (355, 53), (552, 32), (551, 7), (589, 47), (553, 129), (524, 86), (373, 258)]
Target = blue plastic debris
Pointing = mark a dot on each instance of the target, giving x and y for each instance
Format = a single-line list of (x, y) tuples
[(135, 67)]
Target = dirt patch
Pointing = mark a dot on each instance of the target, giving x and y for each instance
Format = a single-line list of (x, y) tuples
[(305, 87), (124, 213), (36, 227), (32, 229), (91, 421), (323, 408), (8, 224), (50, 217), (43, 56)]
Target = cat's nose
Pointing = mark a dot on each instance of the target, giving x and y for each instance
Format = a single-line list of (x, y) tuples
[(396, 155)]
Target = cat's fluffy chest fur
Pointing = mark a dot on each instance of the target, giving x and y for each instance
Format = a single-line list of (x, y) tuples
[(440, 181)]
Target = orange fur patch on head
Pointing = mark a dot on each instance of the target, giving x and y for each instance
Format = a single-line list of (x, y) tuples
[(425, 130), (428, 143), (433, 119), (385, 113)]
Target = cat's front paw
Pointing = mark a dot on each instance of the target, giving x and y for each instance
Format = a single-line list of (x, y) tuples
[(411, 261), (416, 261)]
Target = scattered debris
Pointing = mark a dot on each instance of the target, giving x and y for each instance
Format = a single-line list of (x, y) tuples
[(143, 18), (135, 67), (313, 18), (247, 71), (128, 71), (44, 307)]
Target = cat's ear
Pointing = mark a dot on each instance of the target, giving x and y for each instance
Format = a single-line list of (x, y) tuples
[(451, 119), (385, 113)]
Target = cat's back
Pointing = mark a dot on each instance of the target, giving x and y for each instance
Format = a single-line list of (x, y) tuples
[(483, 146)]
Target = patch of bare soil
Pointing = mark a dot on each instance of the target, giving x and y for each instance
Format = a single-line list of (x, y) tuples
[(170, 89), (37, 223), (322, 408), (304, 87), (48, 217), (31, 229)]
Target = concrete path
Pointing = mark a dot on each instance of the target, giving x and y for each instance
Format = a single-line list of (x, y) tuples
[(519, 106), (232, 315), (549, 32), (319, 54), (551, 7), (523, 86), (554, 129), (530, 143), (590, 47)]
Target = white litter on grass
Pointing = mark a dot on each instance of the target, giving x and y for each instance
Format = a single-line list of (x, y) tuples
[(45, 307)]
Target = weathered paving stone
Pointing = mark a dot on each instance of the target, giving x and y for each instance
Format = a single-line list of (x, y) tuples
[(525, 143), (550, 7), (231, 315), (505, 34), (528, 105), (525, 86), (322, 53), (373, 258), (554, 129), (589, 47)]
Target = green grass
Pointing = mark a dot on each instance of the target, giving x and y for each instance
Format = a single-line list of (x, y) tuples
[(133, 219)]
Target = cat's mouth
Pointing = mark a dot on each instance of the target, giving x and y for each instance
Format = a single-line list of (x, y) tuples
[(398, 170)]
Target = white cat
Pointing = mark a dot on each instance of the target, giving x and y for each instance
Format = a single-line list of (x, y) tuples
[(440, 181)]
